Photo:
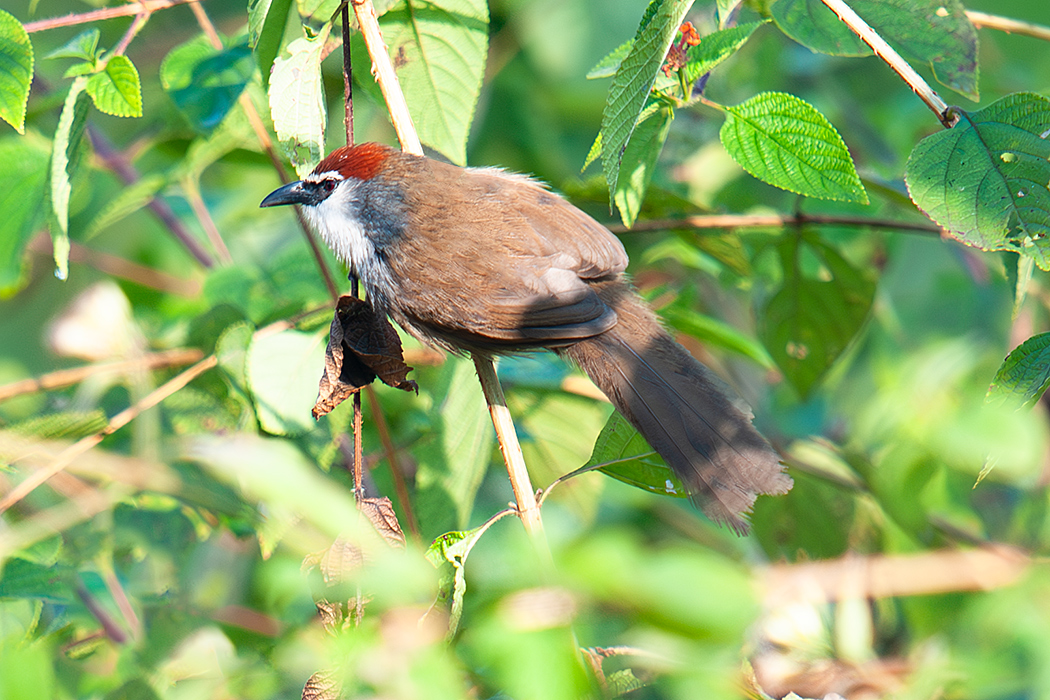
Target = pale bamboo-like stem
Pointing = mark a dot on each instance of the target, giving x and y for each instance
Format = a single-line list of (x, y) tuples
[(1008, 25), (386, 77), (524, 494), (717, 221), (884, 51)]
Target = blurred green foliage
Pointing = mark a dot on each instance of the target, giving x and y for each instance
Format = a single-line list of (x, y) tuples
[(168, 561)]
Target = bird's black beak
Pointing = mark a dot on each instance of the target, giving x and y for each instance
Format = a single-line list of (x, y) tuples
[(292, 193)]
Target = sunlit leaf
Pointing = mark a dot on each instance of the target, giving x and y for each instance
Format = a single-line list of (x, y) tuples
[(439, 51), (267, 21), (785, 141), (65, 160), (16, 71), (634, 78), (83, 46), (297, 103), (985, 181), (116, 89), (629, 458), (717, 47)]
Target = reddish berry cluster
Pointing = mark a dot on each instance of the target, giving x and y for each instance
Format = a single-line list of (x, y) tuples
[(676, 55)]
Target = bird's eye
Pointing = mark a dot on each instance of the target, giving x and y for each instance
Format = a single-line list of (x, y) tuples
[(328, 186)]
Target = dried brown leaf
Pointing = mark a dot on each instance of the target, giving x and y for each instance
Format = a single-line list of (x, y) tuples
[(380, 512), (361, 347), (323, 685)]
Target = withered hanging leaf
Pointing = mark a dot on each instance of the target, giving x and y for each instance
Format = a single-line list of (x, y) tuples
[(380, 512), (323, 685), (361, 347)]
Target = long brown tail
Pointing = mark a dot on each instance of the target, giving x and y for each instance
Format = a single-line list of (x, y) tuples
[(682, 410)]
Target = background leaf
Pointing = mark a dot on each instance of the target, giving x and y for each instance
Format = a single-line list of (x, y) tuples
[(439, 51), (985, 180), (934, 32), (786, 142), (16, 71), (65, 161), (810, 320), (205, 83), (283, 369), (21, 199)]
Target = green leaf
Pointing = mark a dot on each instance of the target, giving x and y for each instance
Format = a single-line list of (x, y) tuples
[(449, 553), (83, 46), (297, 103), (629, 458), (439, 51), (810, 321), (725, 7), (116, 90), (634, 78), (785, 141), (64, 424), (454, 453), (1024, 374), (934, 32), (65, 160), (715, 48), (283, 371), (16, 71), (21, 200), (267, 21), (639, 161), (985, 181), (204, 83)]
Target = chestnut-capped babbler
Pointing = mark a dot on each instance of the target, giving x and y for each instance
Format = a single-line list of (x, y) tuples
[(484, 261)]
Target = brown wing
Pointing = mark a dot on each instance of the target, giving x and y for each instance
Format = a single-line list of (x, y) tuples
[(521, 264)]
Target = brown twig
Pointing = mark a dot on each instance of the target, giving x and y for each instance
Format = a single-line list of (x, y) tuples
[(120, 267), (266, 143), (136, 26), (130, 175), (200, 210), (901, 67), (392, 459), (116, 423), (1008, 25), (68, 377), (772, 220), (131, 8)]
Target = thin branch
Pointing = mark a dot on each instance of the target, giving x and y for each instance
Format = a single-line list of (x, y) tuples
[(68, 377), (1008, 25), (394, 461), (131, 8), (772, 221), (386, 77), (884, 51), (200, 210), (348, 85), (116, 423), (129, 175), (263, 135), (136, 26)]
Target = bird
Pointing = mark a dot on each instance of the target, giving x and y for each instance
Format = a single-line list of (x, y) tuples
[(491, 262)]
